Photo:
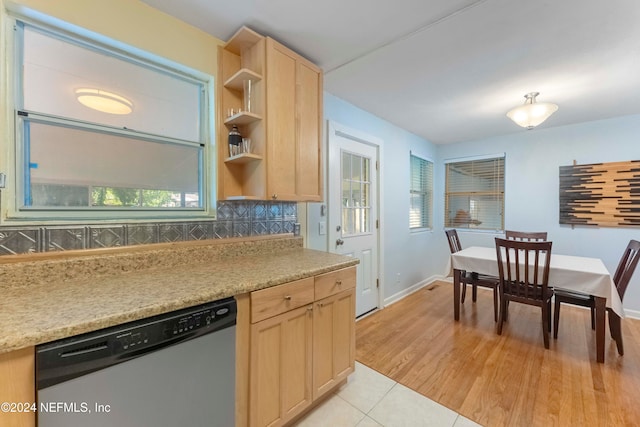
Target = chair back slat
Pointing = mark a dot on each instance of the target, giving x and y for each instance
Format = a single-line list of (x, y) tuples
[(454, 240), (626, 267), (523, 267), (526, 236)]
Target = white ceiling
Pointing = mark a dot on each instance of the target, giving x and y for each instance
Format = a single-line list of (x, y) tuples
[(449, 70)]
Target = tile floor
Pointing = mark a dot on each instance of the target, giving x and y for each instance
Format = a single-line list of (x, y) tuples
[(369, 399)]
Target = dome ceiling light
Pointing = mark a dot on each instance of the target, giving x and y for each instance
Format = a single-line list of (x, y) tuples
[(532, 113), (106, 102)]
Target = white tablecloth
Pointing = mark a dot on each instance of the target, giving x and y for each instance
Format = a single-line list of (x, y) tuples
[(574, 273)]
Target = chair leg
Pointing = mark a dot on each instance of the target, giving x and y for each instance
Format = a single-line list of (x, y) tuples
[(495, 304), (464, 293), (615, 326), (593, 318), (549, 316), (501, 316), (556, 319), (474, 293), (545, 324)]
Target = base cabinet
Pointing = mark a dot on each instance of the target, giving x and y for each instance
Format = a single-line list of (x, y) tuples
[(281, 359), (301, 346), (333, 341), (17, 386)]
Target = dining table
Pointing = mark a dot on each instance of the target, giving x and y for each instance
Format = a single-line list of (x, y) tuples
[(573, 273)]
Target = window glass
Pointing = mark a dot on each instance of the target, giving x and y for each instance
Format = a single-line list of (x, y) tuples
[(65, 160), (356, 198), (420, 193), (474, 194), (54, 69), (140, 147)]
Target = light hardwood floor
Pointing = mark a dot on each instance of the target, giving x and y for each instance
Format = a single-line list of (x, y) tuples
[(508, 380)]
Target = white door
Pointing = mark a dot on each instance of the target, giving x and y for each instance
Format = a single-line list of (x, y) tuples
[(353, 208)]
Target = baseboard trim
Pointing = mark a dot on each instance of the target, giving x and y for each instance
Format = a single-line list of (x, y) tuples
[(411, 289), (632, 314)]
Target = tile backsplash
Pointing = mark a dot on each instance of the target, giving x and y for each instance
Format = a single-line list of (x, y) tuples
[(235, 219)]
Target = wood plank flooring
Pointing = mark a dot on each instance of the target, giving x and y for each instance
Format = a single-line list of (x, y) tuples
[(508, 380)]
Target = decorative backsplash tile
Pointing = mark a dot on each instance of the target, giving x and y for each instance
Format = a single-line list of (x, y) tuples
[(235, 219)]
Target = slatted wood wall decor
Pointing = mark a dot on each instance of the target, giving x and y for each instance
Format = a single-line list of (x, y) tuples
[(602, 194)]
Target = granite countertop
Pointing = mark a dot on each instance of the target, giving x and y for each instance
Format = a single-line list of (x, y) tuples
[(58, 304)]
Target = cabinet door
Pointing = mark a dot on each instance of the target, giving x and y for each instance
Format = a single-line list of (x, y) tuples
[(281, 367), (308, 131), (334, 343), (281, 122), (17, 384)]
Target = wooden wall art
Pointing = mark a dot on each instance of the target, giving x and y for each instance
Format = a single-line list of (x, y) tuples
[(602, 194)]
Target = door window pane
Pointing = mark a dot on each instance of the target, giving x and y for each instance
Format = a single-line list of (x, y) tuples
[(356, 206)]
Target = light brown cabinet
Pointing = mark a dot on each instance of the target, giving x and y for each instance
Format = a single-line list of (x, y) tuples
[(284, 125), (333, 343), (300, 346), (17, 386)]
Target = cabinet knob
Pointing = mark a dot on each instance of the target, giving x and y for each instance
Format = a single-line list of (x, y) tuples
[(339, 282), (274, 196), (287, 297), (310, 308)]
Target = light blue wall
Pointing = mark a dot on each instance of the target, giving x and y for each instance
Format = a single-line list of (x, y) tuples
[(531, 192), (406, 253), (531, 186)]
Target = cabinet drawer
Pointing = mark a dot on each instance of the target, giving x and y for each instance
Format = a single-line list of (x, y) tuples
[(331, 283), (279, 299)]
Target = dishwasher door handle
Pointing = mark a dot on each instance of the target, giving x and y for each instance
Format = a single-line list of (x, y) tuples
[(81, 352)]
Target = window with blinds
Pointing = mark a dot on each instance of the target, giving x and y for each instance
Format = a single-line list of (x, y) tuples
[(474, 193), (420, 193)]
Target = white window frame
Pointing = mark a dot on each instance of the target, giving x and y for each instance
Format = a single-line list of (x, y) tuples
[(427, 191), (11, 161)]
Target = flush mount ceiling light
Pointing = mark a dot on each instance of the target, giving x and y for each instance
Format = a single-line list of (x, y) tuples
[(532, 113), (104, 101)]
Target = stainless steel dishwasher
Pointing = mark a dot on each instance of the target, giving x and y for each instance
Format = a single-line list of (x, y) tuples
[(174, 369)]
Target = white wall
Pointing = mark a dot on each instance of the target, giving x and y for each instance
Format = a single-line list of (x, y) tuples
[(532, 164), (406, 253)]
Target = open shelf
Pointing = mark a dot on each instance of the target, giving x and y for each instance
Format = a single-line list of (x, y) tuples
[(242, 39), (243, 158), (235, 82), (243, 118)]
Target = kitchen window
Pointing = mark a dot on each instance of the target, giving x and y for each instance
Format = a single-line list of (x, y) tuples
[(99, 130), (474, 193), (420, 193)]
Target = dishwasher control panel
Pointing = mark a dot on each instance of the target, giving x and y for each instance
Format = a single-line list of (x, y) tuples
[(195, 321)]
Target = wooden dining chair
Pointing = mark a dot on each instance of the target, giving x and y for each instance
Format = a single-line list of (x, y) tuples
[(621, 278), (526, 236), (471, 278), (524, 277)]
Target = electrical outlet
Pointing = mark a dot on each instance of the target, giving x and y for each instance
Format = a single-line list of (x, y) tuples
[(322, 228)]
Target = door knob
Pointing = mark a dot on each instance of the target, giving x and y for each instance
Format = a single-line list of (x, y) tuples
[(339, 242)]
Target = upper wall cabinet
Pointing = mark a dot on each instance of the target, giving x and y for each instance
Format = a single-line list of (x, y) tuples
[(283, 121)]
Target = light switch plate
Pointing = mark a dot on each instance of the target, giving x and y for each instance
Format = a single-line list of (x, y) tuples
[(322, 228)]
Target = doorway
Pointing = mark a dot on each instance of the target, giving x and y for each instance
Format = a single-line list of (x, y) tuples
[(353, 200)]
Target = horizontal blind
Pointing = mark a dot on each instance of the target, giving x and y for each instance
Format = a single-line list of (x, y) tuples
[(474, 194), (421, 193)]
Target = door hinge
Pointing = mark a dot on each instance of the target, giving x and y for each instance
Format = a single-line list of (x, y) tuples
[(377, 223), (377, 283), (377, 165)]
